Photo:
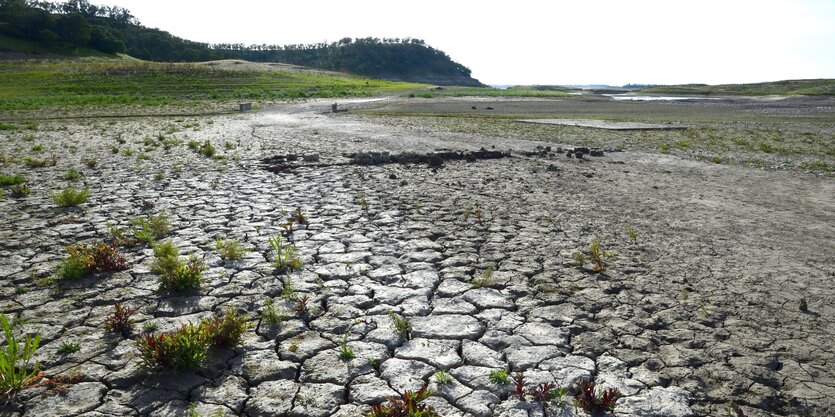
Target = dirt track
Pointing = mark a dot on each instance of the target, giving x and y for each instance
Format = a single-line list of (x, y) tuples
[(703, 309)]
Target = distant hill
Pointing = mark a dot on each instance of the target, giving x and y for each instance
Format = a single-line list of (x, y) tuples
[(788, 87), (78, 27)]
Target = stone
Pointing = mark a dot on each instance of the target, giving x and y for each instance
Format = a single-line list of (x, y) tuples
[(447, 326), (442, 354)]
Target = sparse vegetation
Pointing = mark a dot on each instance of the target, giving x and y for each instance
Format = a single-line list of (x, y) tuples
[(596, 256), (401, 325), (410, 404), (285, 255), (500, 376), (16, 368), (83, 259), (182, 349), (150, 228), (72, 175), (442, 377), (175, 275), (269, 314), (225, 330), (229, 249), (595, 402), (71, 197), (68, 348), (10, 180), (120, 320), (485, 279), (632, 234)]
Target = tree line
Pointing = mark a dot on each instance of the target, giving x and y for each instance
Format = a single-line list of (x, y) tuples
[(75, 24)]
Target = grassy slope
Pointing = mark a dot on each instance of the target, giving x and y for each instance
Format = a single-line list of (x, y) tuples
[(788, 87), (105, 82)]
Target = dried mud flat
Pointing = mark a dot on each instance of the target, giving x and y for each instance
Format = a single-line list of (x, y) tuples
[(724, 296)]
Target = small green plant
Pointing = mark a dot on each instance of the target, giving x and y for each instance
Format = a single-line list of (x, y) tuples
[(579, 258), (225, 330), (37, 148), (175, 275), (664, 148), (40, 163), (90, 162), (127, 152), (684, 294), (143, 156), (70, 197), (633, 235), (401, 325), (72, 175), (442, 377), (301, 307), (467, 213), (9, 180), (345, 351), (269, 314), (149, 326), (182, 349), (288, 290), (149, 229), (68, 348), (15, 360), (410, 404), (119, 321), (485, 279), (298, 216), (159, 176), (193, 145), (285, 255), (499, 377), (363, 202), (207, 149), (593, 401), (703, 310), (596, 256), (230, 249)]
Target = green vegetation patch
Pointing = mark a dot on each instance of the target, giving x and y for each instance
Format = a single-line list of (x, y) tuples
[(109, 82)]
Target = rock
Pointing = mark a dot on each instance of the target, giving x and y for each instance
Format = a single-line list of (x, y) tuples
[(405, 375), (258, 366), (318, 400), (447, 326), (442, 354), (78, 399), (271, 398), (368, 389), (656, 402)]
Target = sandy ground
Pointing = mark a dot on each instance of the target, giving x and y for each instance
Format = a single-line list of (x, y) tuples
[(723, 297)]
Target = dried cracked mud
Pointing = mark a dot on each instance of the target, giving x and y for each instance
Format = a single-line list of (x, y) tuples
[(724, 297)]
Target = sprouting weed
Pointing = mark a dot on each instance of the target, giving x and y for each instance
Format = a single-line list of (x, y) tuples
[(442, 377), (401, 325), (633, 235), (485, 279)]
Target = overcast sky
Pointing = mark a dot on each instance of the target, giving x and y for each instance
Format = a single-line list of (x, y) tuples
[(543, 42)]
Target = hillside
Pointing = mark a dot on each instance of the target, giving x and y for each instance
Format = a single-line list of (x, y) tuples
[(77, 27), (787, 87)]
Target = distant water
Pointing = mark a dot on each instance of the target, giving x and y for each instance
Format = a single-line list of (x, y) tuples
[(629, 97), (501, 86)]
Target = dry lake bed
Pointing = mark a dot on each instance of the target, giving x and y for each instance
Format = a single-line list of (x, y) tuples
[(437, 242)]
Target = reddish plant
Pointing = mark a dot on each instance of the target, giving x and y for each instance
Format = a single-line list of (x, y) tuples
[(542, 392), (301, 306), (225, 331), (408, 405), (518, 385), (120, 321), (106, 258), (594, 402)]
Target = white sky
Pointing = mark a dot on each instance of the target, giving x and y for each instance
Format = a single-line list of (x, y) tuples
[(543, 42)]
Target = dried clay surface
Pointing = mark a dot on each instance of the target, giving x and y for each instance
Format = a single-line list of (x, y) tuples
[(717, 302)]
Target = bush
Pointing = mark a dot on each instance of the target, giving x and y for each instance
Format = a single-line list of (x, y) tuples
[(15, 359), (225, 331), (120, 321), (8, 180), (230, 249), (70, 197), (408, 405), (150, 228), (83, 260), (175, 275), (182, 349)]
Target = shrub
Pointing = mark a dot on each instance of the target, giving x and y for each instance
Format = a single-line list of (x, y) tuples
[(15, 359), (83, 260), (72, 175), (185, 277), (285, 255), (207, 149), (408, 405), (8, 180), (149, 229), (40, 163), (120, 321), (90, 162), (225, 331), (182, 349), (594, 402), (70, 197), (230, 249)]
